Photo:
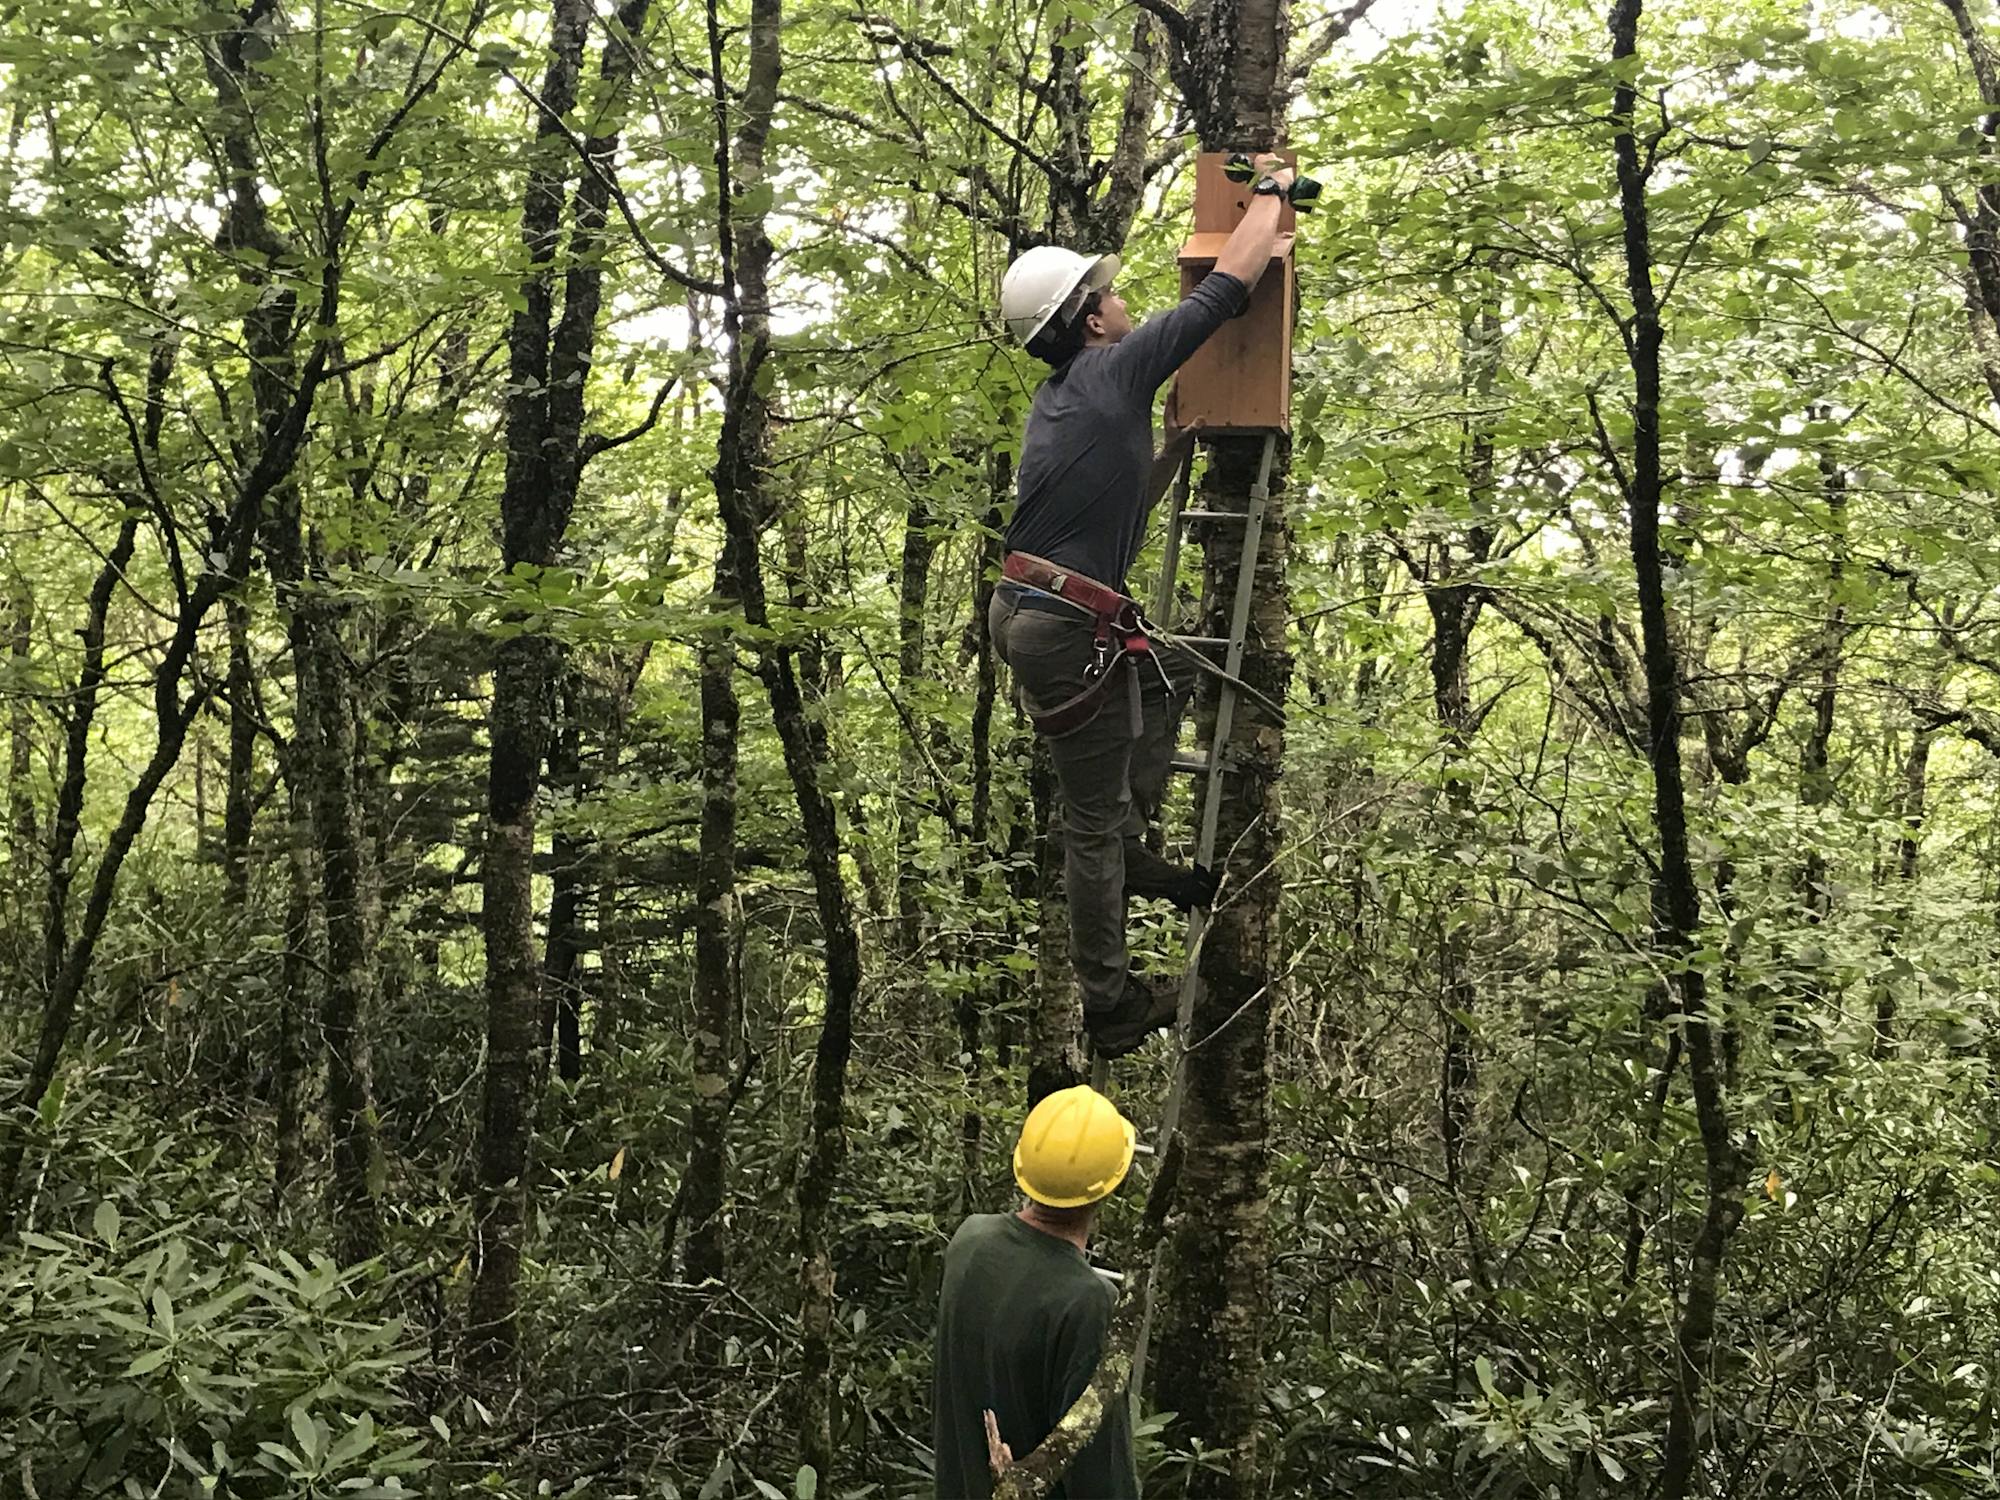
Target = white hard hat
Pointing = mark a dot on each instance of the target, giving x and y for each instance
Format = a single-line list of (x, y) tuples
[(1044, 281)]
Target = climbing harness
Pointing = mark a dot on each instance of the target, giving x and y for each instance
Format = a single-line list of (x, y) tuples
[(1122, 631)]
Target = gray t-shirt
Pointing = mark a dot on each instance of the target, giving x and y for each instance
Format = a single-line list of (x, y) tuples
[(1090, 438)]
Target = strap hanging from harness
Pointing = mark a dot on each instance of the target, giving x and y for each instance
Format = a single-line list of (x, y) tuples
[(1122, 630)]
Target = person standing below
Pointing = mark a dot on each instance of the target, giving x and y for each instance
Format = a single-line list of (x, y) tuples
[(1088, 478), (1022, 1318)]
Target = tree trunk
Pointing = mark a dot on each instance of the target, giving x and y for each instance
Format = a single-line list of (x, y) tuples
[(705, 1189), (83, 700), (1815, 777), (1212, 1344), (1454, 609), (1981, 221), (322, 769), (1909, 848), (717, 1017), (981, 994), (548, 369), (59, 1010), (1455, 605), (323, 765), (239, 808), (743, 498), (348, 1004), (1676, 899), (23, 840), (1210, 1368), (567, 858), (68, 821), (611, 926), (304, 960), (913, 594), (1055, 1018)]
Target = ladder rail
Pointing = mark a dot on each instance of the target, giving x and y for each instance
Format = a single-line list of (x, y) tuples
[(1170, 559), (1211, 815), (1163, 601)]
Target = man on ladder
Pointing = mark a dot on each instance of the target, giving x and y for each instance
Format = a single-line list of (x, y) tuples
[(1062, 620)]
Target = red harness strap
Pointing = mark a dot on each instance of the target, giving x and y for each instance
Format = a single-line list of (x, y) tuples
[(1121, 632)]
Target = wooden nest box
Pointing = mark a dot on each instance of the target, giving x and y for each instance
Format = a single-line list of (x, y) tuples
[(1241, 379)]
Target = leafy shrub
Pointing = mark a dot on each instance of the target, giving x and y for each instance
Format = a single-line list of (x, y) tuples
[(165, 1366)]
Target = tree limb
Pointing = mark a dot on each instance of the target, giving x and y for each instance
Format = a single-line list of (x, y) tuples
[(597, 443), (1175, 22), (1337, 27)]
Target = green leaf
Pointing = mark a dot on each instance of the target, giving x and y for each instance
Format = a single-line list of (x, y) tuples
[(1483, 1368), (106, 1222), (768, 1490), (1760, 151), (718, 1479), (306, 1431), (806, 1485), (52, 1101), (148, 1362), (163, 1311), (357, 1441), (131, 1325)]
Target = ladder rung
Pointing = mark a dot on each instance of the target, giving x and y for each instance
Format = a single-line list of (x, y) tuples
[(1208, 642), (1213, 515), (1188, 763)]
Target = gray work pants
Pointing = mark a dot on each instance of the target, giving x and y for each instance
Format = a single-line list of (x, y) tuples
[(1112, 772)]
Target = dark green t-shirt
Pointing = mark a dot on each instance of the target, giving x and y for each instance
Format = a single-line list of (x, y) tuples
[(1020, 1323)]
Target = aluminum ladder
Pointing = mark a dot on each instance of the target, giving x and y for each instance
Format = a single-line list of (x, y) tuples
[(1209, 765)]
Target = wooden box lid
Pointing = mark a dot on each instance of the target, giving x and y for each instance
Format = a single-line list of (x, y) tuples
[(1203, 249)]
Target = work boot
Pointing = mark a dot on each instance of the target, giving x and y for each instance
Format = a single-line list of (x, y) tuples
[(1149, 1004)]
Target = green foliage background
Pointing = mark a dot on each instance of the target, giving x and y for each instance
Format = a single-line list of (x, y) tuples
[(170, 1323)]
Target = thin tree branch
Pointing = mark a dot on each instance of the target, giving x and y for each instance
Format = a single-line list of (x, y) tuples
[(597, 443)]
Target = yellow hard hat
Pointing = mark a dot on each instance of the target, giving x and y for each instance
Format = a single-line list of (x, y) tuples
[(1074, 1149)]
